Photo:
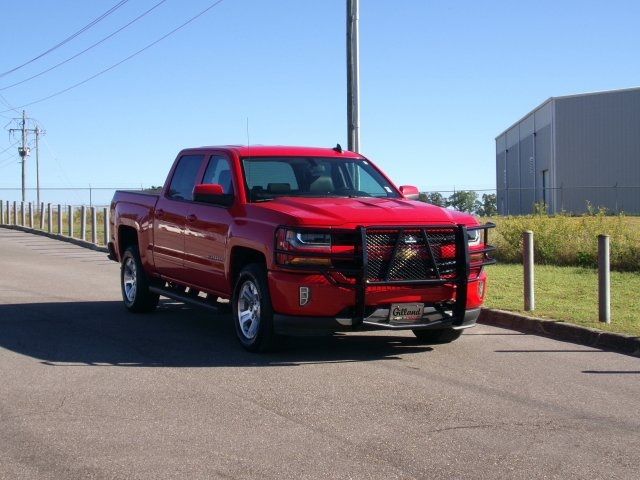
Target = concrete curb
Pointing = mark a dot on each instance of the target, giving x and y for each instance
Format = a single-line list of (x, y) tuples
[(568, 332), (55, 236)]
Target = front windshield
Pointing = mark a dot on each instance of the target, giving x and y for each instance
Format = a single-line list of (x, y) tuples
[(271, 177)]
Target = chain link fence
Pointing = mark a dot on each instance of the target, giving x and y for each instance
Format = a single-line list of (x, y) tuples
[(613, 199), (91, 196)]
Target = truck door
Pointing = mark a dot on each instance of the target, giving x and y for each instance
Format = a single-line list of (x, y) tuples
[(207, 230), (170, 218)]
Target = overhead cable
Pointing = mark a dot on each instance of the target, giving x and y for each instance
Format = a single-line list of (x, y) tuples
[(86, 49), (69, 38), (60, 92)]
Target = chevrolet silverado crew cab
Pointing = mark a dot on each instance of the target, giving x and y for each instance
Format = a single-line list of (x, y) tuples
[(297, 240)]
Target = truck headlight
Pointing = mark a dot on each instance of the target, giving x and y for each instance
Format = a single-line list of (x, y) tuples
[(473, 237), (301, 247)]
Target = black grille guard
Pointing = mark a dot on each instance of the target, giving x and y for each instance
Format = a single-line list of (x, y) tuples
[(455, 272), (462, 267)]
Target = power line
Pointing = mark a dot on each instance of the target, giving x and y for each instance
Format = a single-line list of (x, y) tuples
[(8, 161), (86, 49), (10, 146), (6, 102), (214, 4), (69, 38)]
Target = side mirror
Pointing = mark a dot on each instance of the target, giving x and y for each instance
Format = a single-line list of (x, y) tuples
[(410, 192), (212, 193)]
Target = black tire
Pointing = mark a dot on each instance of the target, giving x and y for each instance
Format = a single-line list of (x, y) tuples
[(141, 299), (444, 335), (251, 296)]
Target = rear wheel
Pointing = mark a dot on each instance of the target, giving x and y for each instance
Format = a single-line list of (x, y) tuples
[(444, 335), (252, 311), (134, 283)]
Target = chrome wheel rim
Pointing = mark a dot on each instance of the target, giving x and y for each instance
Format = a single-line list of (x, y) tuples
[(249, 310), (130, 279)]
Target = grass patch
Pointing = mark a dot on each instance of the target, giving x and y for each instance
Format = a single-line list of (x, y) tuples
[(569, 294), (566, 240)]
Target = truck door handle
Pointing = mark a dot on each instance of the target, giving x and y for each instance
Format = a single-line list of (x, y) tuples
[(159, 213), (191, 218)]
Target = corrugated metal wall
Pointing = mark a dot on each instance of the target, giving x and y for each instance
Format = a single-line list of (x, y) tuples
[(598, 147), (544, 155), (526, 149), (513, 171), (595, 157), (501, 174), (522, 153)]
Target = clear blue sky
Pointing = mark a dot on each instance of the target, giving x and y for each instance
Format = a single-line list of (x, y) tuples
[(439, 80)]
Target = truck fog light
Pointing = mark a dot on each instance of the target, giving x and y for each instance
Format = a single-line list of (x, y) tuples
[(481, 288), (305, 296)]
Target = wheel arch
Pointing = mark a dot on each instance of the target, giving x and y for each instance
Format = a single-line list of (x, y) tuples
[(127, 236), (241, 257)]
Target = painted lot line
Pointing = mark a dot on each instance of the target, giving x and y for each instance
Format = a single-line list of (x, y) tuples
[(90, 391)]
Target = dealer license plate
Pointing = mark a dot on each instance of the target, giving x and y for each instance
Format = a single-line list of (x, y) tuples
[(406, 312)]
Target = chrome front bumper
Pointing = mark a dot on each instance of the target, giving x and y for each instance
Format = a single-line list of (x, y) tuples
[(378, 320)]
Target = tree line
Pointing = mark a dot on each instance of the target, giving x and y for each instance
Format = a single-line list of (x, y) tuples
[(464, 201)]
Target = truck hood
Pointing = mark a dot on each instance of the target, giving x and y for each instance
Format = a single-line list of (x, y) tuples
[(348, 212)]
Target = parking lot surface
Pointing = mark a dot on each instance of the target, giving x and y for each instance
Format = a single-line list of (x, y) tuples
[(88, 390)]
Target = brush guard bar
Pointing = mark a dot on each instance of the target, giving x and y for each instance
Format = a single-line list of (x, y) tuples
[(410, 255)]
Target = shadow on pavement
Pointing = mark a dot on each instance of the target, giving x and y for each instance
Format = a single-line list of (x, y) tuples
[(613, 372), (563, 350), (103, 333)]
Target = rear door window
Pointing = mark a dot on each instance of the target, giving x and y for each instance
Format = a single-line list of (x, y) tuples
[(184, 177), (219, 171)]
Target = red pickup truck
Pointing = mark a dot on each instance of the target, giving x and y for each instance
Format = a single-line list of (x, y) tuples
[(297, 240)]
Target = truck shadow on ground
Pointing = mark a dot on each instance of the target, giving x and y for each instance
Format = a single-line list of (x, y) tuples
[(103, 333)]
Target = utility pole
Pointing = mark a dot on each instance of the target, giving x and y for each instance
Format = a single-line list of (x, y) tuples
[(38, 132), (353, 75), (24, 150), (24, 153)]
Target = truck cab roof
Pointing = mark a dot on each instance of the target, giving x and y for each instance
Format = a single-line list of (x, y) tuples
[(277, 151)]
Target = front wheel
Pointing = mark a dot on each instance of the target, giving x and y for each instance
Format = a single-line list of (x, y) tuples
[(252, 311), (443, 335), (135, 285)]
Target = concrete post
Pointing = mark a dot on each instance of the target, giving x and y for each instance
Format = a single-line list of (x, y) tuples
[(1, 212), (527, 257), (94, 224), (30, 214), (42, 216), (70, 220), (83, 222), (49, 218), (15, 212), (604, 280), (59, 219), (105, 220), (23, 214)]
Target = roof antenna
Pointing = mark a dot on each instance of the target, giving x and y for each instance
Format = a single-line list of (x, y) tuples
[(248, 143), (338, 148)]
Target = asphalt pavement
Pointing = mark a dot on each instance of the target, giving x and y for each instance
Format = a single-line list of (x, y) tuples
[(88, 390)]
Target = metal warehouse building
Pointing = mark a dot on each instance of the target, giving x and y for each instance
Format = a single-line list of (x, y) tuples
[(572, 150)]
